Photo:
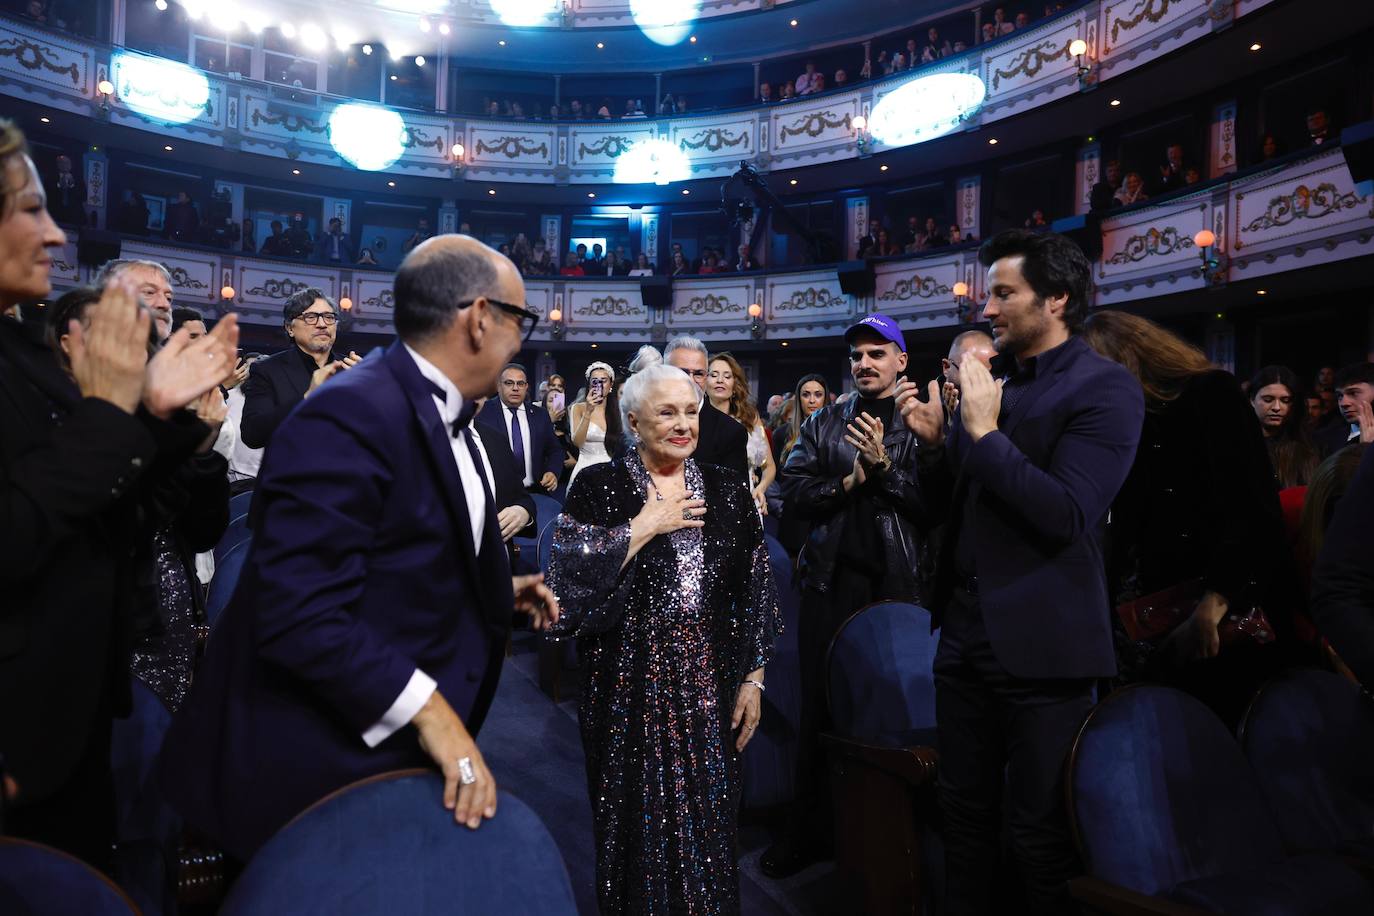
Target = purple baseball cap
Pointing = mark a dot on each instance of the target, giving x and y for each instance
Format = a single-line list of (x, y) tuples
[(881, 325)]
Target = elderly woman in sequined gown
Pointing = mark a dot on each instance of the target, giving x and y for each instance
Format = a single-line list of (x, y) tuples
[(662, 572)]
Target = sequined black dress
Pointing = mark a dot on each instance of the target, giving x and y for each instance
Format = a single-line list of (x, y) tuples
[(664, 646)]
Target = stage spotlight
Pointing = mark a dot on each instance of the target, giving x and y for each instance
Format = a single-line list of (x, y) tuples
[(368, 136)]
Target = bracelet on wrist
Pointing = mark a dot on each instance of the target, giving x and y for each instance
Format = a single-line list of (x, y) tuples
[(756, 683)]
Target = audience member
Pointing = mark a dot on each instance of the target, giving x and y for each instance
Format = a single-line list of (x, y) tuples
[(1022, 20), (152, 284), (642, 268), (1200, 505), (572, 267), (912, 235), (1037, 221), (1132, 191), (935, 47), (1354, 385), (1000, 25), (841, 80), (314, 640), (132, 216), (1343, 579), (296, 239), (540, 263), (968, 345), (743, 259), (333, 246), (869, 243), (1015, 665), (529, 434), (515, 511), (277, 384), (852, 475), (765, 93), (596, 424), (275, 244), (1328, 485), (1269, 148), (806, 83), (727, 388), (182, 221), (1319, 128), (366, 258), (421, 234), (1274, 397), (67, 197), (721, 439), (680, 267), (1172, 171)]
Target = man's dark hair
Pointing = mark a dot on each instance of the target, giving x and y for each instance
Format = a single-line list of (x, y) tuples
[(428, 289), (70, 306), (275, 224), (509, 366), (335, 219), (1353, 374), (181, 315), (1052, 265), (302, 301)]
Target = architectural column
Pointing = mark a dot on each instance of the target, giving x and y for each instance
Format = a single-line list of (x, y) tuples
[(1221, 155), (96, 169), (551, 228), (118, 20), (1087, 172), (757, 66), (648, 236), (855, 225), (1221, 344), (977, 25), (968, 206), (558, 89), (658, 94), (441, 73)]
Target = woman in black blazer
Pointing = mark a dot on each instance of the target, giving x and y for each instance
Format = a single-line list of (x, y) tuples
[(1200, 503)]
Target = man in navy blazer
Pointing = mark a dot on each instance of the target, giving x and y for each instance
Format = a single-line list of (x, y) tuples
[(1030, 467), (367, 631), (528, 430)]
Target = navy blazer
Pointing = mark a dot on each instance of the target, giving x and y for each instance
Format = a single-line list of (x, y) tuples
[(546, 453), (362, 568), (1343, 578), (1043, 484)]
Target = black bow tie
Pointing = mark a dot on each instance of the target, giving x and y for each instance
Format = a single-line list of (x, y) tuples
[(465, 413)]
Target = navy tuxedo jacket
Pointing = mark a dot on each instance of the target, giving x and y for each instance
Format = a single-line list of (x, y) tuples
[(546, 453), (1042, 486), (362, 568)]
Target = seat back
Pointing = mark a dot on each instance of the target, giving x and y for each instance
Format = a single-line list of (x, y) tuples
[(879, 679), (1160, 793), (135, 743), (236, 533), (40, 881), (1309, 737), (226, 579), (545, 549), (546, 509), (386, 845), (240, 503), (770, 761)]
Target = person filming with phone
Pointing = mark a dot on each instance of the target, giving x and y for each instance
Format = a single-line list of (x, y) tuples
[(595, 422)]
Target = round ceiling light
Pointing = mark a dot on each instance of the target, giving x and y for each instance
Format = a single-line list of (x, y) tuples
[(665, 22), (652, 162), (925, 108), (524, 12)]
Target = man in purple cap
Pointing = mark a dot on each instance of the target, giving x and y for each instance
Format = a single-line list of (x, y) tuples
[(852, 477)]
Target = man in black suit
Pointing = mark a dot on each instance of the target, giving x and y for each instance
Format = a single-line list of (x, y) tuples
[(721, 440), (1354, 386), (275, 385), (528, 433), (1343, 579), (334, 247), (1029, 468)]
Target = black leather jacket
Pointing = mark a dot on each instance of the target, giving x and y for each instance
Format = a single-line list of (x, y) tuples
[(813, 489)]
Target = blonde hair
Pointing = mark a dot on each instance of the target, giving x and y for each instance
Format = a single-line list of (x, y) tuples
[(1161, 361), (12, 145)]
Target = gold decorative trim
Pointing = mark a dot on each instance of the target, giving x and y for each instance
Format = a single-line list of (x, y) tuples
[(1152, 243), (813, 125), (610, 147), (714, 139), (709, 304), (917, 287), (807, 299), (182, 279), (416, 137), (277, 289), (291, 123), (1031, 61), (32, 56), (609, 306), (512, 147), (1151, 11), (1303, 203)]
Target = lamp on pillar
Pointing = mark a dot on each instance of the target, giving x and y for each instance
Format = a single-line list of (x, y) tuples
[(458, 152), (1087, 79), (755, 324), (556, 323), (962, 305), (1212, 273), (861, 138), (106, 89)]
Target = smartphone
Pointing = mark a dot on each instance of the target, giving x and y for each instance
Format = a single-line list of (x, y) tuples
[(599, 384), (555, 401)]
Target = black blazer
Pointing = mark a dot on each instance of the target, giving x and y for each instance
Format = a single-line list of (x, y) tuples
[(721, 440), (72, 472), (546, 453), (510, 489), (1333, 437), (274, 387), (1343, 579)]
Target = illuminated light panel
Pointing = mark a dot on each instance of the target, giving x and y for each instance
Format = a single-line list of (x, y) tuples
[(652, 162), (161, 90), (925, 108), (367, 136), (665, 22), (524, 12), (313, 37)]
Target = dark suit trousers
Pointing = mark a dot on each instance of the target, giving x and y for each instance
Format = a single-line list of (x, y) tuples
[(1000, 734)]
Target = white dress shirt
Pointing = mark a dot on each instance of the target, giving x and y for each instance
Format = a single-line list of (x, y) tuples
[(243, 461), (421, 686), (522, 412)]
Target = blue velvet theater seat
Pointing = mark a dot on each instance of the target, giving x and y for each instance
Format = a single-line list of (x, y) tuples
[(881, 691), (147, 829), (225, 580), (546, 509), (386, 846), (1166, 808), (1309, 736), (38, 881), (770, 760), (240, 503)]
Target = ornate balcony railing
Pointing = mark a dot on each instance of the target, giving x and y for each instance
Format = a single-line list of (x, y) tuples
[(1021, 71), (1304, 212)]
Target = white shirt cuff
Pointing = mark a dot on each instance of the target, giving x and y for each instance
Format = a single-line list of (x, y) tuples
[(416, 694)]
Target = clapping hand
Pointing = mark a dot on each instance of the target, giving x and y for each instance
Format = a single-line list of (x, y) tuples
[(980, 399), (109, 357), (185, 369), (535, 598), (236, 377), (351, 360), (866, 435), (925, 419), (211, 409), (324, 374), (1365, 413)]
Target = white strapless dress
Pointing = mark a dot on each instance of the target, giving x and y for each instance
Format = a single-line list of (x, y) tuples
[(593, 451)]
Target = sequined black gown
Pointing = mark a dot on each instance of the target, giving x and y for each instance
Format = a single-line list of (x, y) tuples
[(664, 646)]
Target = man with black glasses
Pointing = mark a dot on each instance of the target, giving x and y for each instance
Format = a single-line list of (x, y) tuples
[(276, 384)]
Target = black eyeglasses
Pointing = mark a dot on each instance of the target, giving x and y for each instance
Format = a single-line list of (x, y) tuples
[(317, 318), (527, 320)]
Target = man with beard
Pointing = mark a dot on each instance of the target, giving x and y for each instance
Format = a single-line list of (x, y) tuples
[(853, 477), (277, 384), (1029, 468), (151, 282)]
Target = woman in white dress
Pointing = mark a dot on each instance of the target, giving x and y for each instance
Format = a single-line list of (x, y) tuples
[(595, 422), (728, 388)]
